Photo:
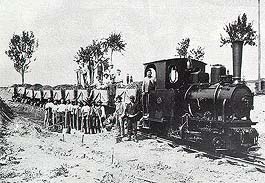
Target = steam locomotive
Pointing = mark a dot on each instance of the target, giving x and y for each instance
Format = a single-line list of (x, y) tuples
[(187, 105)]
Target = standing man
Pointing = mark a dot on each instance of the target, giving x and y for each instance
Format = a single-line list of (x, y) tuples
[(61, 113), (112, 92), (119, 114), (48, 113), (149, 84), (106, 79), (85, 111), (118, 78), (54, 114), (78, 74), (127, 79), (84, 73), (69, 111), (111, 72), (79, 116), (101, 116), (131, 111)]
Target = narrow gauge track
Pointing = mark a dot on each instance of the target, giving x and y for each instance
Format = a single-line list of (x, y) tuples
[(234, 159)]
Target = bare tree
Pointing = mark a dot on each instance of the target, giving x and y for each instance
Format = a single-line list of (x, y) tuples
[(21, 49)]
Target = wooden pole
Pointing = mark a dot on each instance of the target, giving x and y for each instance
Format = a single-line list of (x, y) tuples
[(112, 155), (259, 48)]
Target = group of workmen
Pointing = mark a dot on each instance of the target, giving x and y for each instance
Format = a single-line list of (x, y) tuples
[(90, 117), (85, 116)]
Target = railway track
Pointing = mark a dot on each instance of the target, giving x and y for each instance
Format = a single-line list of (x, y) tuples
[(244, 159)]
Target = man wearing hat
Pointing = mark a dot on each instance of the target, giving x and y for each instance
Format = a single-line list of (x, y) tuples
[(111, 72), (131, 111), (85, 112), (48, 113), (149, 84), (100, 116), (106, 79), (69, 114), (118, 78), (119, 114), (61, 113)]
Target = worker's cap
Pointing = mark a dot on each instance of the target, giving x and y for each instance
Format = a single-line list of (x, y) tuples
[(132, 97), (148, 70)]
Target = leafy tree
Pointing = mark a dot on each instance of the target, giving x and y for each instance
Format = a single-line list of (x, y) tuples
[(239, 30), (184, 52), (114, 43), (98, 50), (92, 56), (182, 48), (197, 54), (21, 49)]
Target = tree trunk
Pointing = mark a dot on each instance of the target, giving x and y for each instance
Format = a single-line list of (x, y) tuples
[(111, 57), (23, 77)]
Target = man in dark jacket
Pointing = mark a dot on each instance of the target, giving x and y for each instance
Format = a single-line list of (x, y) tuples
[(131, 111)]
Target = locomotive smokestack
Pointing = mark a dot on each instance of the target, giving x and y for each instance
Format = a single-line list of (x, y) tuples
[(237, 49)]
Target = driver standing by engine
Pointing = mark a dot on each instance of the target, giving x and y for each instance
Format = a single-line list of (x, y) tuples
[(131, 112), (149, 84)]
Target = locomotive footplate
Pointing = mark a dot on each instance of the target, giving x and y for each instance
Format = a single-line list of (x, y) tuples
[(235, 136), (244, 137)]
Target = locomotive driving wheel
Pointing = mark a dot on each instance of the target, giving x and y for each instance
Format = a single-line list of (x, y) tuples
[(217, 143)]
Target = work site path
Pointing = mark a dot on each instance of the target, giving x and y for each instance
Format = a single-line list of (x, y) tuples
[(34, 154)]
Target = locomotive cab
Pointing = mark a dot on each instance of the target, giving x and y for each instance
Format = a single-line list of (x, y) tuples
[(165, 102)]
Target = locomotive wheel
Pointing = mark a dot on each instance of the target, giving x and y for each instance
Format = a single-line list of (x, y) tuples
[(217, 143)]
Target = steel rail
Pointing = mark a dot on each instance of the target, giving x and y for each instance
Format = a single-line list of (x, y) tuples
[(259, 165)]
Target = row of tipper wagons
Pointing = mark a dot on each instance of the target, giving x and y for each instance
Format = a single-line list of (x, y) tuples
[(42, 95)]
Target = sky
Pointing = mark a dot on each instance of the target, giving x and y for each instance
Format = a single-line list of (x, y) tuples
[(151, 29)]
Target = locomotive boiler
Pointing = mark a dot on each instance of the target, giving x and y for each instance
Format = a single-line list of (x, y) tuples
[(188, 106)]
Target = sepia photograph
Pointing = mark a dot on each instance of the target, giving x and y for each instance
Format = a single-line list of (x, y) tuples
[(142, 91)]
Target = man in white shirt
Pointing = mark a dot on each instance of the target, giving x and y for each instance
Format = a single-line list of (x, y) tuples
[(111, 72), (61, 113), (78, 71), (106, 79), (85, 111), (119, 115), (69, 119), (118, 78), (54, 113), (48, 113), (97, 83), (74, 114)]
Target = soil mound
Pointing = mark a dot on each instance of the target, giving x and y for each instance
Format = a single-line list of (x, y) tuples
[(64, 87), (5, 111)]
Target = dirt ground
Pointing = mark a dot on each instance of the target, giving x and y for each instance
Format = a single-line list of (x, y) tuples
[(33, 154)]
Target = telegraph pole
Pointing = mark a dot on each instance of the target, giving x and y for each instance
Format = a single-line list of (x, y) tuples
[(259, 48)]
